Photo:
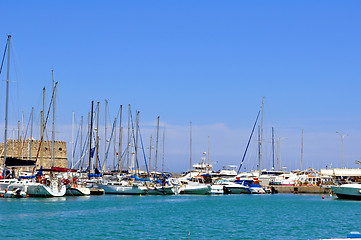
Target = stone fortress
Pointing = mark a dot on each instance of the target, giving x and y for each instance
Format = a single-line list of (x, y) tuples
[(21, 150)]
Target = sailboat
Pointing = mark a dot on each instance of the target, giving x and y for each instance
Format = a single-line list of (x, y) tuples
[(48, 185)]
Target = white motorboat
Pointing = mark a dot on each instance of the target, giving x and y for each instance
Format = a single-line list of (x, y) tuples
[(235, 188), (217, 189), (15, 190), (4, 183), (348, 191), (228, 171), (194, 186), (121, 187)]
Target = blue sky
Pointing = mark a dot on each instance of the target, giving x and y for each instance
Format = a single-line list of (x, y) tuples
[(209, 62)]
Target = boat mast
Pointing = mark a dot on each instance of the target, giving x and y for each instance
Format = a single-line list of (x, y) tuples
[(260, 141), (273, 148), (31, 132), (72, 141), (105, 131), (128, 144), (90, 138), (97, 139), (7, 102), (136, 142), (42, 127), (208, 151), (114, 141), (53, 129), (22, 134), (150, 155), (81, 137), (302, 150), (163, 150), (190, 151), (156, 149), (120, 140)]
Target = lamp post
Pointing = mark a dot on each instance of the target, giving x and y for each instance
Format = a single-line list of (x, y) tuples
[(342, 136)]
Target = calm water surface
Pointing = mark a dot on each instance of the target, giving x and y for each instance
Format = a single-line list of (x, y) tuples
[(280, 216)]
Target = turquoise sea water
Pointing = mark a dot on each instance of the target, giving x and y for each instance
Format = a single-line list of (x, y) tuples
[(279, 216)]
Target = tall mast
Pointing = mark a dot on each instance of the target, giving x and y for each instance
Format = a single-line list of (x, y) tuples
[(7, 102), (120, 140), (53, 125), (81, 137), (19, 140), (208, 150), (128, 144), (156, 147), (22, 134), (163, 150), (105, 131), (190, 150), (72, 140), (90, 137), (42, 128), (114, 141), (136, 141), (273, 148), (97, 139), (31, 132), (278, 153), (53, 131), (260, 141), (150, 154), (302, 150)]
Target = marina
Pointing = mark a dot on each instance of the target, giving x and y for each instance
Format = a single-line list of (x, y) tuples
[(180, 120)]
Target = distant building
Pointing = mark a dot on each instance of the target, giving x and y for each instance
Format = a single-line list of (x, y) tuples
[(21, 150)]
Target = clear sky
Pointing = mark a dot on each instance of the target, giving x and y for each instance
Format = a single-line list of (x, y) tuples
[(209, 62)]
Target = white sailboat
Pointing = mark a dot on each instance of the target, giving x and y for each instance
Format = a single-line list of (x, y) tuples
[(50, 189)]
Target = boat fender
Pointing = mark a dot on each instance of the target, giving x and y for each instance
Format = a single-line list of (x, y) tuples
[(6, 190), (42, 180)]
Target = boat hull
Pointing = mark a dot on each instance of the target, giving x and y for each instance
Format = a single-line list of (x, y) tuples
[(77, 191), (348, 191), (200, 190), (217, 189), (118, 189), (41, 190), (236, 190)]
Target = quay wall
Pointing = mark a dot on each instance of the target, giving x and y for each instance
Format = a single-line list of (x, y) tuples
[(301, 189)]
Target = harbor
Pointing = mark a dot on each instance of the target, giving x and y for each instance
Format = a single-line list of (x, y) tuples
[(180, 120)]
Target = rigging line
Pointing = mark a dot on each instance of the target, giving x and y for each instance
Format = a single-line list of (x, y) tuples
[(249, 140), (76, 141), (111, 136), (2, 62), (145, 159), (83, 153), (131, 117), (26, 132), (123, 155), (46, 120), (107, 149)]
